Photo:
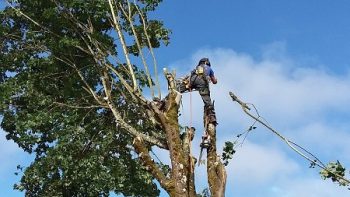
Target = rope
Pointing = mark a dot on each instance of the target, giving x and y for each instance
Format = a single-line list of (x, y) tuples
[(157, 158), (190, 109), (190, 142), (239, 142)]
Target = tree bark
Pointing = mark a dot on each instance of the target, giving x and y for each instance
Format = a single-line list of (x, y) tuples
[(181, 181), (187, 138), (215, 169), (181, 173)]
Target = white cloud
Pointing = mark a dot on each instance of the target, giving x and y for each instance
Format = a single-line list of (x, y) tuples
[(256, 164), (296, 99), (306, 104), (326, 138), (276, 86), (310, 187)]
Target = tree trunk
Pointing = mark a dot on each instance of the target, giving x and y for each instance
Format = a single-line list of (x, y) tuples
[(179, 149), (187, 137), (215, 169), (181, 181)]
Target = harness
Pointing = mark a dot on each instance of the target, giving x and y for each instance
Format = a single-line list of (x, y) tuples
[(198, 78)]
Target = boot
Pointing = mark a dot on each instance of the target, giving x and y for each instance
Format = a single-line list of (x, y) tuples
[(181, 85), (210, 113)]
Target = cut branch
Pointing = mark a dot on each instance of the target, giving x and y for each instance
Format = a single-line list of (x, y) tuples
[(288, 142)]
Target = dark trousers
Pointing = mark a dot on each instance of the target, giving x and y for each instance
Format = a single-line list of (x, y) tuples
[(205, 94), (203, 88)]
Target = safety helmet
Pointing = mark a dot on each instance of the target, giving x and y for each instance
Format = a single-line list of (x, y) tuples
[(204, 60)]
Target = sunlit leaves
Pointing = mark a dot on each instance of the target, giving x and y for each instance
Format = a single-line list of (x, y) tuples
[(335, 171), (79, 150)]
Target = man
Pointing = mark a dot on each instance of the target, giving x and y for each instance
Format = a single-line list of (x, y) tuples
[(199, 80)]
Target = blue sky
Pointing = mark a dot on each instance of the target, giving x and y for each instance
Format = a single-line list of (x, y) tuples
[(289, 58), (316, 30)]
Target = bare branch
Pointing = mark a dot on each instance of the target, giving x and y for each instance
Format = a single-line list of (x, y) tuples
[(120, 120), (30, 19), (106, 87), (80, 107), (150, 49), (122, 41), (139, 47), (122, 80)]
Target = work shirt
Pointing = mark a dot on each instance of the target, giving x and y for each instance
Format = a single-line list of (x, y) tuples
[(208, 71)]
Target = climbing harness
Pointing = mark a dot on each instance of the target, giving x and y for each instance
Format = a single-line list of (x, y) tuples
[(199, 70)]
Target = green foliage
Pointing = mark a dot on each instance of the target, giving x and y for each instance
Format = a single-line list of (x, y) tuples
[(154, 29), (228, 152), (79, 150), (335, 171)]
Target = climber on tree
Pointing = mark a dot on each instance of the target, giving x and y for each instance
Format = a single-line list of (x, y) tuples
[(199, 80)]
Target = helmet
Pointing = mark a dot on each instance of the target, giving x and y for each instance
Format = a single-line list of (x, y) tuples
[(204, 61)]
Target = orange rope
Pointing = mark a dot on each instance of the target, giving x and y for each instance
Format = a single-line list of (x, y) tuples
[(190, 109), (190, 143)]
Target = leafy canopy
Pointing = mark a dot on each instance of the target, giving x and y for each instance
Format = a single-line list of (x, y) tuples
[(47, 109)]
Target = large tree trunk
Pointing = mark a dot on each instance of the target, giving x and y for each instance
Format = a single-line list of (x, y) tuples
[(215, 169), (181, 183), (182, 165), (181, 180)]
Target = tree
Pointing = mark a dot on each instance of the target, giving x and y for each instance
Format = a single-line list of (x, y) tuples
[(73, 94)]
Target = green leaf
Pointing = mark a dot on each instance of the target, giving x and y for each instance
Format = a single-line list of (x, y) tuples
[(228, 152), (79, 151)]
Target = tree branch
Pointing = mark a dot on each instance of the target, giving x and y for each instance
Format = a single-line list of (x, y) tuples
[(169, 121), (150, 49), (151, 167), (119, 120), (139, 47), (288, 142), (123, 43), (30, 19), (122, 80), (80, 107)]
